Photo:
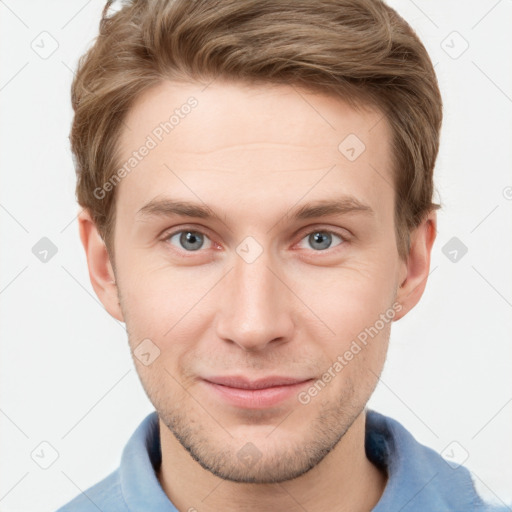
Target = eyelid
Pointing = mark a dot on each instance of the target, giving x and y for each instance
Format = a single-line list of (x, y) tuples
[(343, 233), (186, 227)]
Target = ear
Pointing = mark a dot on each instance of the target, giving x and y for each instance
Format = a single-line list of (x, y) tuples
[(416, 269), (101, 272)]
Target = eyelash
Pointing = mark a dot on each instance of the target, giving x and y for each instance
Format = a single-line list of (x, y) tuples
[(166, 238)]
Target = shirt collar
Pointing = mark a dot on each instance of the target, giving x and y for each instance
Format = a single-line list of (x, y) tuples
[(141, 457), (418, 478)]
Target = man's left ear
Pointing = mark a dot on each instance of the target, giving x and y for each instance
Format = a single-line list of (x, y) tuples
[(417, 267)]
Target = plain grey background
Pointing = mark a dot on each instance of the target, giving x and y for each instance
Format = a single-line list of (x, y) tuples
[(70, 396)]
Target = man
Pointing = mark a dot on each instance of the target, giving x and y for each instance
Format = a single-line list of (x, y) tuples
[(257, 182)]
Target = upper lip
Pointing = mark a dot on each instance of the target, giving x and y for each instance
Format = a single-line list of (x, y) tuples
[(265, 382)]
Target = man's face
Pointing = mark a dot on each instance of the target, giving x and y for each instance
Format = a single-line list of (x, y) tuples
[(255, 291)]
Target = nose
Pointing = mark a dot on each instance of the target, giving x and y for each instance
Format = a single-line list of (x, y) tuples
[(255, 307)]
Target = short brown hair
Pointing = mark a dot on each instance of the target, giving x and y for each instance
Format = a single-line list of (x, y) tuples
[(359, 50)]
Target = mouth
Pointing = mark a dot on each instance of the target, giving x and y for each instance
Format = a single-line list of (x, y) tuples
[(255, 394)]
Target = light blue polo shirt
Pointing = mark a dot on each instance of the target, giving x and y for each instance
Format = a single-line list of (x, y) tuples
[(419, 479)]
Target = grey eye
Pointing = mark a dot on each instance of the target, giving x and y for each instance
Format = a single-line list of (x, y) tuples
[(321, 240), (188, 240)]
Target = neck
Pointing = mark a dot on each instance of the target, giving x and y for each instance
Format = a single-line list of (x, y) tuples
[(344, 480)]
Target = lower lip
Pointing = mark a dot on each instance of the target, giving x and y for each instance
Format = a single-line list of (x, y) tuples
[(256, 398)]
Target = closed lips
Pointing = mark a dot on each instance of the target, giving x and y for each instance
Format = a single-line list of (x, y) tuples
[(262, 383)]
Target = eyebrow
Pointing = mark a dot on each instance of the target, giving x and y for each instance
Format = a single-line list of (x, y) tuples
[(167, 207)]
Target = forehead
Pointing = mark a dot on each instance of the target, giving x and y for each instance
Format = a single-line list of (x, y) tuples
[(236, 144)]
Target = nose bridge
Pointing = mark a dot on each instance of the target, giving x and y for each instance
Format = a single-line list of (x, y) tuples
[(254, 308)]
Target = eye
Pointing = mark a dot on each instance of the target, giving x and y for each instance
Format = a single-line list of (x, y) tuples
[(191, 240), (188, 240), (321, 240)]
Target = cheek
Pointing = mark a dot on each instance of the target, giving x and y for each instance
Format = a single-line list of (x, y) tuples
[(346, 299), (354, 306), (170, 305), (153, 289)]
